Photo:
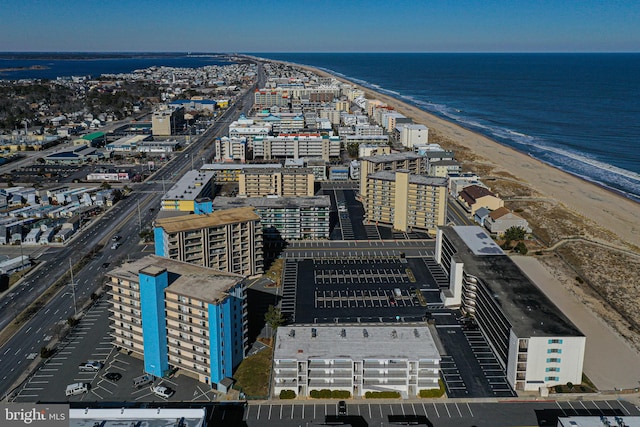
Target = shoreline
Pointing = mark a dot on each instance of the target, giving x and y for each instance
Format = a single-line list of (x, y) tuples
[(603, 206)]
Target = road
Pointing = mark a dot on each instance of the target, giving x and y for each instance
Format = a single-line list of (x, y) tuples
[(126, 219)]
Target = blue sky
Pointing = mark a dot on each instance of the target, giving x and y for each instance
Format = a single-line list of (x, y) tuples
[(321, 26)]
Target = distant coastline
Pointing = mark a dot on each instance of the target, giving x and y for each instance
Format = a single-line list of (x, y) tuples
[(33, 67)]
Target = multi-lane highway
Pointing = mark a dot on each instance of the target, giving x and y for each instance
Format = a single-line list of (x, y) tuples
[(124, 219)]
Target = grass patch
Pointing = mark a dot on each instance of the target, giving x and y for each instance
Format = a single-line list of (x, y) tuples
[(254, 373)]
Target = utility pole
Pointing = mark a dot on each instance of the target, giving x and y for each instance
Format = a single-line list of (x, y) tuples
[(73, 290)]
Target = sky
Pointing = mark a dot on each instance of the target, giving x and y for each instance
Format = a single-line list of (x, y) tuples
[(320, 26)]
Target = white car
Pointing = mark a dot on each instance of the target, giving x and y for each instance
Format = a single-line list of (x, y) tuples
[(162, 391), (91, 366)]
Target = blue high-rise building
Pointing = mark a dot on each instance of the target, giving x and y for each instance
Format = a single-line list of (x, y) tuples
[(179, 315)]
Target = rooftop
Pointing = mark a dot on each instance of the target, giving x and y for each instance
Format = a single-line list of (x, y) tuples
[(234, 166), (290, 171), (215, 219), (364, 341), (528, 310), (190, 186), (393, 157), (149, 417), (202, 283)]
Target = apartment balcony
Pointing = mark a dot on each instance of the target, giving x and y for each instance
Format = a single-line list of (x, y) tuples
[(118, 335), (332, 374), (383, 382), (187, 352), (327, 383), (316, 364)]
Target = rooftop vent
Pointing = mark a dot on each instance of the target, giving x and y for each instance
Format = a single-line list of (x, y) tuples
[(343, 333), (314, 332), (394, 334), (292, 333), (365, 333), (416, 333)]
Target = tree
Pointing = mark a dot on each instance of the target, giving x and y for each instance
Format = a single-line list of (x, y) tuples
[(515, 233), (105, 185), (273, 317), (521, 248)]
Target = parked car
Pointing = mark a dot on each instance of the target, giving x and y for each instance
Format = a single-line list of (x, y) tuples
[(113, 376), (162, 391), (91, 366), (342, 408), (142, 380)]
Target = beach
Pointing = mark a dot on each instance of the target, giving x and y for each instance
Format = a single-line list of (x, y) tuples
[(611, 211)]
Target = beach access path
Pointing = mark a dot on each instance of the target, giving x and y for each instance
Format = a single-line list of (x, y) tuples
[(609, 210), (609, 361)]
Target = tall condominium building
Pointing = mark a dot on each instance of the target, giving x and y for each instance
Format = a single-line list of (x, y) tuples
[(227, 240), (406, 201), (296, 146), (288, 218), (167, 120), (537, 345), (266, 98), (286, 182), (178, 315), (357, 359), (231, 149), (185, 193), (411, 162)]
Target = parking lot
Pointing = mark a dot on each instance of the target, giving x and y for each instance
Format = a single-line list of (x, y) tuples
[(370, 289), (426, 413), (90, 341)]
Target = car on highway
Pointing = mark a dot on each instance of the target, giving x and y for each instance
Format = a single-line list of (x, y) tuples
[(91, 366), (115, 246), (113, 376), (116, 238), (105, 264), (162, 391)]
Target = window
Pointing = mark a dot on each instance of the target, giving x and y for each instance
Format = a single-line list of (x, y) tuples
[(552, 370), (551, 378), (554, 350), (555, 341), (554, 360)]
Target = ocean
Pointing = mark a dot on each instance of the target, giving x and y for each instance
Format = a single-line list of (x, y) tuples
[(577, 112)]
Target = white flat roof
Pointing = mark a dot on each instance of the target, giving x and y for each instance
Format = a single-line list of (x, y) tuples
[(156, 417), (478, 240), (364, 341)]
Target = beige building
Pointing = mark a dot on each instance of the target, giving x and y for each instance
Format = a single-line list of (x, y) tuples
[(406, 201), (296, 146), (408, 161), (285, 182), (227, 240), (475, 197), (167, 120)]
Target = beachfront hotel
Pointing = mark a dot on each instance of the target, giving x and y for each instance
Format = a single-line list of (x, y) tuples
[(355, 358), (536, 344), (405, 201), (412, 162), (174, 314), (286, 218), (286, 182), (226, 240), (230, 172)]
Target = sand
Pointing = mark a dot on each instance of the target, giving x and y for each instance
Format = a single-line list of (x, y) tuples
[(611, 211)]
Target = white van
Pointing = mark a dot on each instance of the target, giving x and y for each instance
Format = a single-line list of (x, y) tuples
[(76, 388)]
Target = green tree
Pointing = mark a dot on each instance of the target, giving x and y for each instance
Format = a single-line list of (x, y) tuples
[(515, 233), (521, 248), (273, 317)]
